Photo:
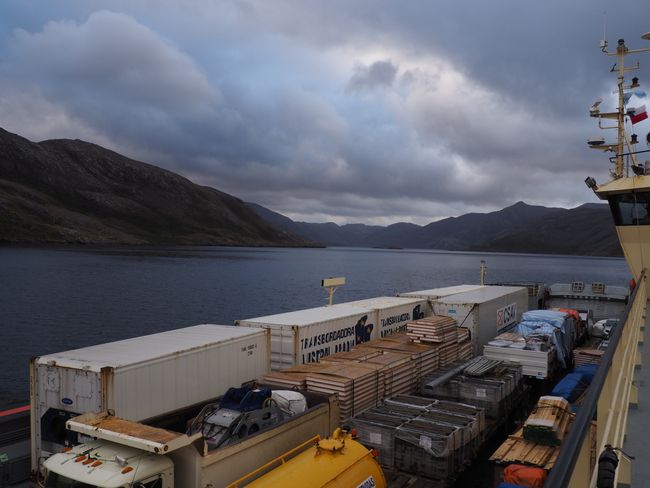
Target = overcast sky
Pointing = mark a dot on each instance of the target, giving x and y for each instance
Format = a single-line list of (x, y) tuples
[(350, 111)]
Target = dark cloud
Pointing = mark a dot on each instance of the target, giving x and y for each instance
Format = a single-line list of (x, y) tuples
[(379, 74), (351, 110)]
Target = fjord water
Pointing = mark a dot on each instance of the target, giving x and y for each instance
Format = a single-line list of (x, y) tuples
[(55, 299)]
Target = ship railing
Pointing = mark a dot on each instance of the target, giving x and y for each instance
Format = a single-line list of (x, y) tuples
[(607, 401)]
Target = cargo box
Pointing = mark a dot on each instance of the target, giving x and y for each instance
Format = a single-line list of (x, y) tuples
[(393, 313), (305, 336), (434, 293), (485, 311), (141, 378)]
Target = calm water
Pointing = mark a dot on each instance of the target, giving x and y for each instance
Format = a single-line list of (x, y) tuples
[(58, 299)]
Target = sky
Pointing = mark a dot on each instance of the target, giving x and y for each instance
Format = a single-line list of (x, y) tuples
[(341, 110)]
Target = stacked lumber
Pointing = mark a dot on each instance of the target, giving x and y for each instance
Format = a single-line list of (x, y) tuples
[(425, 357), (367, 374), (465, 350), (463, 334), (357, 387), (449, 352), (437, 329), (548, 422), (516, 449), (292, 378), (355, 355), (587, 356), (396, 374)]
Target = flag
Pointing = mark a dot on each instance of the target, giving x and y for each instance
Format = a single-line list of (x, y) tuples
[(638, 114), (626, 98)]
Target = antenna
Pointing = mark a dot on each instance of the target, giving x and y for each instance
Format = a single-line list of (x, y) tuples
[(603, 42)]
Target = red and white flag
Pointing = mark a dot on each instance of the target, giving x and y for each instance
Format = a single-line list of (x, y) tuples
[(638, 114)]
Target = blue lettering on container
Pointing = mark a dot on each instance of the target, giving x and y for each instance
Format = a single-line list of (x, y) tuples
[(67, 401)]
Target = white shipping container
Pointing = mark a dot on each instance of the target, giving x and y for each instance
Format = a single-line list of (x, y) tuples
[(393, 313), (485, 311), (435, 293), (140, 378), (305, 336)]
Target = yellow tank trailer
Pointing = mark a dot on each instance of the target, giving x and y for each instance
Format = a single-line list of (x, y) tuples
[(320, 463)]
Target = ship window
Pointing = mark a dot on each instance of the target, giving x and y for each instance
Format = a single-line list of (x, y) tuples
[(630, 208)]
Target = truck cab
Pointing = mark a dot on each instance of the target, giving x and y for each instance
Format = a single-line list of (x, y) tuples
[(102, 464)]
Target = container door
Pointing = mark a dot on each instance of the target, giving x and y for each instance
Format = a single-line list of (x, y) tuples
[(63, 393)]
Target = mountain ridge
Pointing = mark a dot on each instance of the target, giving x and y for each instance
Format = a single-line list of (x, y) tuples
[(72, 191), (585, 230)]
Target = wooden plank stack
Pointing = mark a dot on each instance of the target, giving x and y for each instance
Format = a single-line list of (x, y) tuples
[(425, 357), (516, 449), (463, 334), (437, 329), (367, 374), (452, 341), (294, 377), (397, 373), (448, 353), (587, 356), (549, 421), (357, 387)]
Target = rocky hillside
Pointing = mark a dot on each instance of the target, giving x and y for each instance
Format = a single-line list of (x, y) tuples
[(70, 191), (585, 230)]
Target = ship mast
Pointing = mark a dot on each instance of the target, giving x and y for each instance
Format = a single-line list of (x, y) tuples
[(628, 193), (618, 148)]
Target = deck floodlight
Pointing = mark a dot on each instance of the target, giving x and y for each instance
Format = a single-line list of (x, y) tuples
[(638, 169), (591, 183), (331, 285), (596, 141)]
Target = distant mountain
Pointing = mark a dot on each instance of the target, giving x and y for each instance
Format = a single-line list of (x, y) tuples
[(585, 230), (73, 191), (327, 234)]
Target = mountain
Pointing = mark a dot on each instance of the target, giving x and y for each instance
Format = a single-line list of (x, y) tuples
[(585, 230), (328, 234), (73, 191)]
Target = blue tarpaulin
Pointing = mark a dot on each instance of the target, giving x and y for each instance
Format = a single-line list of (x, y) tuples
[(570, 387), (588, 371)]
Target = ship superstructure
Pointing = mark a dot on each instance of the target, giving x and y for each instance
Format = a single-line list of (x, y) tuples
[(606, 436), (628, 192)]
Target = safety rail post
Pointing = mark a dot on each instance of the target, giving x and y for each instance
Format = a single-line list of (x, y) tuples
[(607, 400)]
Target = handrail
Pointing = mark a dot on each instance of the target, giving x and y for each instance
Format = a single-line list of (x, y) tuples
[(560, 475)]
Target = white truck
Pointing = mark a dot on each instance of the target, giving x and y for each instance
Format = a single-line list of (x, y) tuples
[(139, 379), (119, 453)]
